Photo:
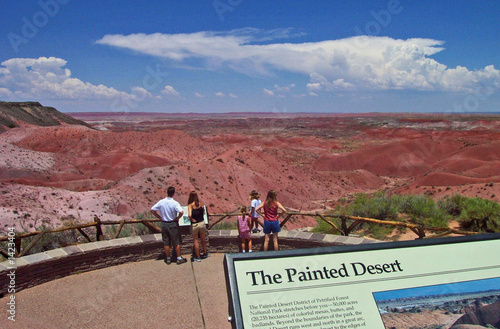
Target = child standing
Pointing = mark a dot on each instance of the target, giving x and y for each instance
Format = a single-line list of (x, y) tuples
[(254, 204), (271, 209), (244, 229)]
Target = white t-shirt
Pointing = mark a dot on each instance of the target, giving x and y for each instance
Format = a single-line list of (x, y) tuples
[(254, 204), (169, 208)]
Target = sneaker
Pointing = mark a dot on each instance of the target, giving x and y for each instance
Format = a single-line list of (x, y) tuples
[(168, 261), (196, 259), (205, 256), (255, 230), (181, 261)]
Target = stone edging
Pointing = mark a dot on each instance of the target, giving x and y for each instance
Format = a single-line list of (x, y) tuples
[(35, 269)]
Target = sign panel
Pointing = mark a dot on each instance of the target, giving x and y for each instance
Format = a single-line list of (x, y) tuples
[(184, 220), (375, 286)]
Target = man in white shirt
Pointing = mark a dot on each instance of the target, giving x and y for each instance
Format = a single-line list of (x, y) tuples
[(170, 212)]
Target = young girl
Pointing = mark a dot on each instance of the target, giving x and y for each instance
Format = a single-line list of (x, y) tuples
[(271, 218), (244, 229), (254, 204)]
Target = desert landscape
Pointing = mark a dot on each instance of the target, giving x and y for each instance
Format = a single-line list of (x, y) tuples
[(117, 165), (450, 311)]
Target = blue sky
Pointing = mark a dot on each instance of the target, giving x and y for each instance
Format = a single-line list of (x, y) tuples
[(244, 56), (451, 288)]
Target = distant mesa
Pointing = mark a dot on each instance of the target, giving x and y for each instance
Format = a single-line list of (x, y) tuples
[(18, 114)]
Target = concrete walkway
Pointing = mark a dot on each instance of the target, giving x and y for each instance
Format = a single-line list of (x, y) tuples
[(148, 294)]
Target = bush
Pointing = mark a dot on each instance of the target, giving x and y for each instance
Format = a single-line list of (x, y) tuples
[(474, 214), (379, 206), (423, 210), (480, 215), (452, 205)]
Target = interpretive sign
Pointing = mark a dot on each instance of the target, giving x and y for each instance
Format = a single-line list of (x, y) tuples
[(365, 286), (184, 220)]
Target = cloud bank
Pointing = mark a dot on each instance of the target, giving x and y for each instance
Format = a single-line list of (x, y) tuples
[(27, 78), (362, 62), (47, 78)]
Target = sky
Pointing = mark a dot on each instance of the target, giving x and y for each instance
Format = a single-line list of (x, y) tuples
[(252, 56), (442, 289)]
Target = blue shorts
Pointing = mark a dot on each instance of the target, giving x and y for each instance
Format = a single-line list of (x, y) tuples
[(271, 226)]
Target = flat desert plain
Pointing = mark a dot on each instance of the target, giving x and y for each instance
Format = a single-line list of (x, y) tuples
[(123, 164)]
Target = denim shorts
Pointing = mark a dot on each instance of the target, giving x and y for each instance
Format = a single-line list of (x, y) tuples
[(271, 226)]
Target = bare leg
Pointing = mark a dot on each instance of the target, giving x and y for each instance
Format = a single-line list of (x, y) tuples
[(196, 245), (249, 244), (275, 241), (167, 251), (266, 242), (242, 244), (203, 242), (178, 250)]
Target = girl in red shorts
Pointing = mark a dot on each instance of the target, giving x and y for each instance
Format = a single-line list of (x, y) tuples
[(271, 218)]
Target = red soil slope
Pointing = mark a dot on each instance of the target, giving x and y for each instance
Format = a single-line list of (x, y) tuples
[(49, 174)]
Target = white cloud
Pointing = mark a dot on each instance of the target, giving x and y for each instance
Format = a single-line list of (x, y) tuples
[(319, 82), (219, 94), (170, 91), (285, 89), (268, 92), (199, 95), (233, 95), (4, 92), (47, 78), (358, 62), (142, 93)]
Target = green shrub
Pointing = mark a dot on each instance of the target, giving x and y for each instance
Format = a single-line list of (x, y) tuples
[(379, 206), (480, 215), (452, 205), (474, 214), (423, 210)]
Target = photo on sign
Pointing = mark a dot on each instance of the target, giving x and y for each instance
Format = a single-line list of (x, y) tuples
[(468, 304)]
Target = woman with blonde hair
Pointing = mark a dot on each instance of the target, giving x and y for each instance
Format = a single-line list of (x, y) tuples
[(271, 218), (196, 212)]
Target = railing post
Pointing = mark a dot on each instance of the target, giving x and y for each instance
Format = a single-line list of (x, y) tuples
[(84, 234), (212, 225), (118, 231), (17, 242), (329, 223), (344, 225), (151, 227), (99, 236), (286, 220)]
